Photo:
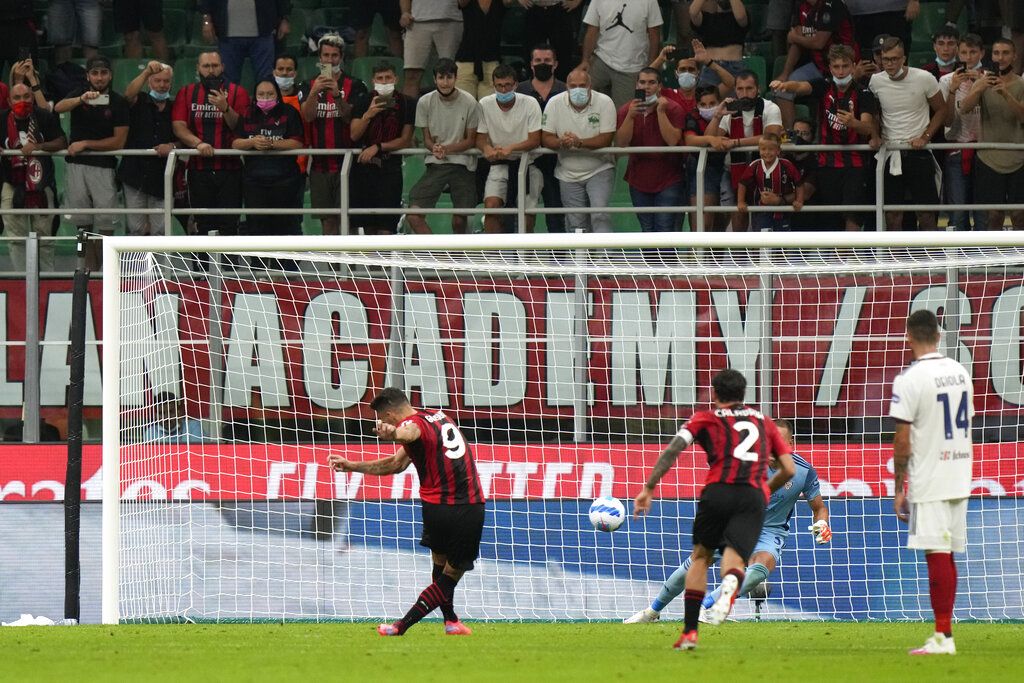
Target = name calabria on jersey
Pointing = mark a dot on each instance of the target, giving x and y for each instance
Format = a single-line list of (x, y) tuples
[(452, 499), (739, 443), (774, 535)]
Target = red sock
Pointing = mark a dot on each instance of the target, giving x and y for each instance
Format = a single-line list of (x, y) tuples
[(942, 589)]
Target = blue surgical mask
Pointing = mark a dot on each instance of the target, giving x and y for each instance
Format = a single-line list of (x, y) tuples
[(160, 96), (505, 97), (687, 80), (844, 81), (707, 113), (944, 62), (285, 82), (579, 96)]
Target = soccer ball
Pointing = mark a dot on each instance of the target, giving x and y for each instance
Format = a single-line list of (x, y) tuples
[(607, 513)]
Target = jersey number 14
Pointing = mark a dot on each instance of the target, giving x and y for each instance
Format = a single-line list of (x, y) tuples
[(961, 420)]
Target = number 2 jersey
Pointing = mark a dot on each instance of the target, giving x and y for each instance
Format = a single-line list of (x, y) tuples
[(936, 396), (443, 461), (739, 443)]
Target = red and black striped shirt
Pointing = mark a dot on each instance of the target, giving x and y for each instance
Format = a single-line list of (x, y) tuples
[(739, 442), (826, 15), (331, 129), (831, 131), (443, 461), (206, 122)]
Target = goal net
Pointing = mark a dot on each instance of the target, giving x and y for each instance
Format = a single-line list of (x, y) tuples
[(235, 367)]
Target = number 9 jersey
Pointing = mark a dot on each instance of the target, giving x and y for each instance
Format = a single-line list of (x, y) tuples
[(740, 443), (443, 461)]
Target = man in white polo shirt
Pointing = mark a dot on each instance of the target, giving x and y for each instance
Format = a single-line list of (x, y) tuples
[(622, 38), (932, 405), (509, 124), (575, 122)]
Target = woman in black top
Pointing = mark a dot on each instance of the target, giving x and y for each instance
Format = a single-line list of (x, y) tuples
[(271, 180), (722, 26)]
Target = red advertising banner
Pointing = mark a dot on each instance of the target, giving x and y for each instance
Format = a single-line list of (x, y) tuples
[(509, 472), (491, 348)]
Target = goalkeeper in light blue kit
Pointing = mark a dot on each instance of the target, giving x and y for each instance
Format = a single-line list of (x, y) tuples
[(769, 547)]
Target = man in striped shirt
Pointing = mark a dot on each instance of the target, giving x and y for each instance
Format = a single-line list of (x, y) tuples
[(450, 491)]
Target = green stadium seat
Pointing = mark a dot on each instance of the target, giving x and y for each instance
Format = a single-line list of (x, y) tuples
[(362, 67), (125, 71), (306, 4), (757, 64), (932, 18), (919, 59), (175, 27), (777, 66), (184, 72)]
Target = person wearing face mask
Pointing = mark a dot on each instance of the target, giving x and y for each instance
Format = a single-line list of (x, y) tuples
[(912, 111), (286, 68), (846, 116), (28, 181), (999, 173), (695, 132), (448, 118), (204, 117), (272, 180), (653, 179), (142, 178), (576, 123), (743, 120), (686, 75), (945, 42), (543, 86), (99, 122), (386, 126), (962, 125), (328, 112)]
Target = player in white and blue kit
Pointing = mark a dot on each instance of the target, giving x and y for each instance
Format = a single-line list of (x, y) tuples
[(774, 533)]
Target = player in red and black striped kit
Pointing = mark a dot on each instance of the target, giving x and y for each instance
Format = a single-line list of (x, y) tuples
[(451, 494), (739, 442)]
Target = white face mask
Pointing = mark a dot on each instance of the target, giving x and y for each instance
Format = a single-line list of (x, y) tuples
[(384, 89)]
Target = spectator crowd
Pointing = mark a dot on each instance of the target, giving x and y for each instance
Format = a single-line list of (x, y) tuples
[(477, 84)]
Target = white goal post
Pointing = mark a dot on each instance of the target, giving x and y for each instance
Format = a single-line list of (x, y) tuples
[(233, 365)]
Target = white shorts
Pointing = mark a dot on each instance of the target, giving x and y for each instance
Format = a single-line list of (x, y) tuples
[(938, 525), (497, 184)]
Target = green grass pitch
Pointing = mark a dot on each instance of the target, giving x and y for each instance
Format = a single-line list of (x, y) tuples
[(788, 651)]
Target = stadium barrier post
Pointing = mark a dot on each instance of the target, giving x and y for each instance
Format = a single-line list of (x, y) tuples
[(73, 473), (764, 377), (169, 193), (216, 342), (111, 538), (521, 171), (702, 163), (395, 372), (346, 200), (30, 415), (880, 190), (579, 346)]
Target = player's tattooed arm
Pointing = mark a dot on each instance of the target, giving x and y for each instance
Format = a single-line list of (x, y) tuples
[(380, 467), (901, 452), (666, 460)]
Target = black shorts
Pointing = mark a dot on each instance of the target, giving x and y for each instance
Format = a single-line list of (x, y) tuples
[(454, 531), (130, 14), (993, 187), (917, 184), (361, 13), (729, 515)]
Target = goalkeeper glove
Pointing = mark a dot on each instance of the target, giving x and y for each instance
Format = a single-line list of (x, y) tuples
[(822, 532)]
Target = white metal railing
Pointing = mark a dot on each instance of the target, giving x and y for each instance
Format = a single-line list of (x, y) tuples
[(344, 210)]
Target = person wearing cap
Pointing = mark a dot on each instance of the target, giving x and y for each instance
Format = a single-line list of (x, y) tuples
[(912, 110), (576, 123), (99, 123), (385, 126), (149, 95), (448, 118), (327, 112), (204, 118)]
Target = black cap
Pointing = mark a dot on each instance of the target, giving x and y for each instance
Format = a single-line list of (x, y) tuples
[(879, 41), (445, 66), (97, 62)]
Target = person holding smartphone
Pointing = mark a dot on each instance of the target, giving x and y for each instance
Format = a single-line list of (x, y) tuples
[(963, 125), (99, 123), (384, 127)]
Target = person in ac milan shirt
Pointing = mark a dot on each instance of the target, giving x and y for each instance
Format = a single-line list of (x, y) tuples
[(817, 26), (327, 112), (846, 116), (204, 118), (271, 181), (451, 494), (740, 443), (770, 181)]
